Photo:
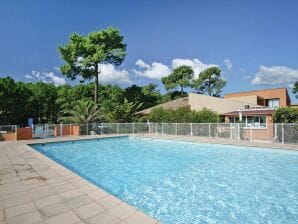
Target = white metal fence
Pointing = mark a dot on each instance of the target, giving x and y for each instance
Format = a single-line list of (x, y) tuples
[(281, 133)]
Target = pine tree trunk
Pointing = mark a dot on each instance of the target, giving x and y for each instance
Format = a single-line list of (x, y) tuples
[(96, 84)]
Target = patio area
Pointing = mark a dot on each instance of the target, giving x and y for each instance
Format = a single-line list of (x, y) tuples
[(35, 189)]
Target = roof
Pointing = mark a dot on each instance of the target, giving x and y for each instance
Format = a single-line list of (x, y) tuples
[(257, 90), (174, 105), (252, 111)]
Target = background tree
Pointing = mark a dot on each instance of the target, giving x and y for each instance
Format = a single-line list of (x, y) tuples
[(147, 95), (180, 77), (83, 112), (286, 115), (69, 95), (295, 89), (183, 114), (122, 111), (83, 54), (210, 81), (13, 101), (41, 102)]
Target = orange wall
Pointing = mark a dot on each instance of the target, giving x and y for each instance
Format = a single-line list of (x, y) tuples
[(9, 136), (68, 130), (260, 134), (24, 133), (280, 93)]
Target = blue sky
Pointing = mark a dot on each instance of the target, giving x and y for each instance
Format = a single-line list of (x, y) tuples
[(254, 42)]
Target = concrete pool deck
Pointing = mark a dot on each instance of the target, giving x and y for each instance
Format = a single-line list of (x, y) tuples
[(36, 189)]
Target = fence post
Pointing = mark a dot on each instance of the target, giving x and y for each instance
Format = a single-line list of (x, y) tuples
[(133, 129), (238, 131), (209, 130), (117, 129), (156, 128), (176, 131), (45, 130), (61, 128), (16, 131), (191, 130), (282, 134), (250, 133), (275, 131), (161, 128), (231, 133)]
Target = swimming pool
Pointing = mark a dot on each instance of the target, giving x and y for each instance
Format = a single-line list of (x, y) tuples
[(184, 182)]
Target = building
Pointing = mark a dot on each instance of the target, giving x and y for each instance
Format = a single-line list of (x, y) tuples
[(272, 98), (198, 101), (231, 103), (253, 109), (267, 101), (257, 122)]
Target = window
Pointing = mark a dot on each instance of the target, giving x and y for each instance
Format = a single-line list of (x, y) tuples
[(250, 121), (254, 121), (273, 103)]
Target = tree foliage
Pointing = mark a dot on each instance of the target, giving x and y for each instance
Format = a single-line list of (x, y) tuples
[(122, 111), (45, 102), (286, 115), (82, 54), (183, 115), (181, 77), (147, 95), (210, 81), (84, 111), (295, 89)]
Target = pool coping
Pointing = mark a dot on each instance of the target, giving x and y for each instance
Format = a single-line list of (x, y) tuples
[(36, 189), (220, 141)]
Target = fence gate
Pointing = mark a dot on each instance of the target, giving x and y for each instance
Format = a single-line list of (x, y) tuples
[(43, 130), (38, 131)]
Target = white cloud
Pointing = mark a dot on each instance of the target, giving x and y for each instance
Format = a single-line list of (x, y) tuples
[(28, 76), (228, 63), (247, 77), (275, 75), (142, 64), (47, 77), (55, 79), (197, 65), (156, 70), (109, 74)]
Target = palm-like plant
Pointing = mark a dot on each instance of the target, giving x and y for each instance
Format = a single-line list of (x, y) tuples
[(82, 112)]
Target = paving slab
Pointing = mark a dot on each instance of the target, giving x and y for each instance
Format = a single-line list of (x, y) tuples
[(36, 190)]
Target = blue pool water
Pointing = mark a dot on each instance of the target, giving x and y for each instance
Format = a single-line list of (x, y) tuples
[(188, 183)]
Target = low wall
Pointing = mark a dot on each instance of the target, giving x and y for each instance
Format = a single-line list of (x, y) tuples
[(21, 134), (259, 134), (67, 130), (24, 133), (8, 136)]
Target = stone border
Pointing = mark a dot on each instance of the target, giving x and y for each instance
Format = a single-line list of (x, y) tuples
[(223, 141), (36, 189)]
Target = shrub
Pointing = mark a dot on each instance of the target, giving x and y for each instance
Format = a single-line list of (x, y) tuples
[(183, 115), (286, 115)]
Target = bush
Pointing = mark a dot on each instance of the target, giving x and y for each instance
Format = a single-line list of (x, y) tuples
[(183, 115), (286, 115)]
